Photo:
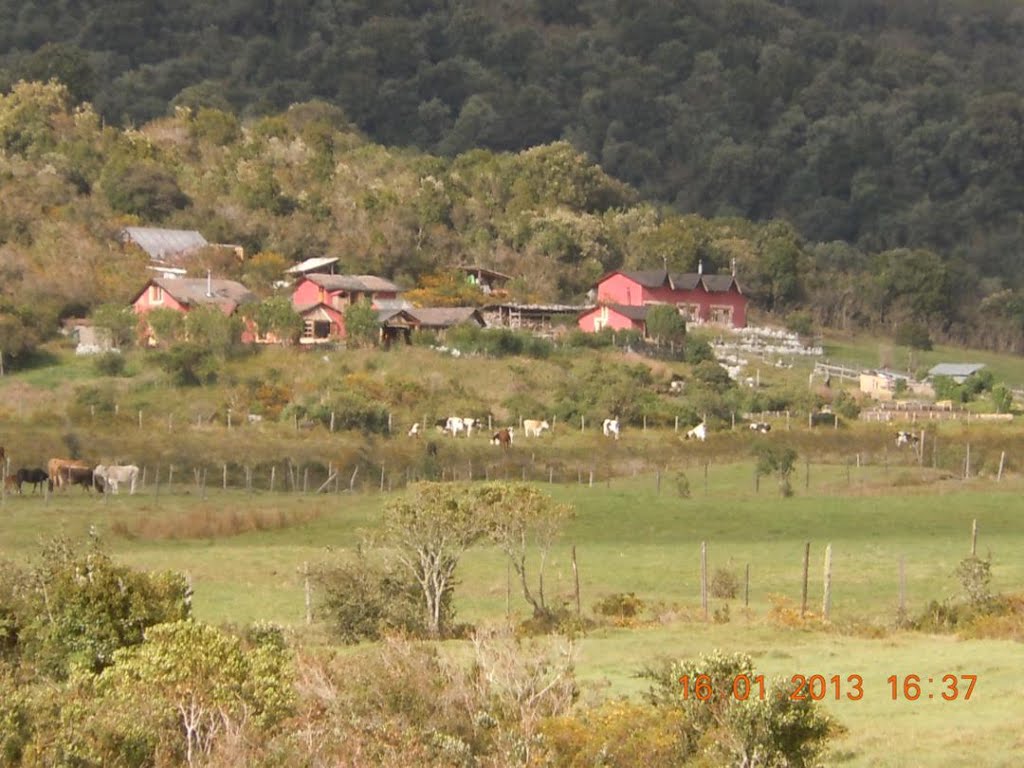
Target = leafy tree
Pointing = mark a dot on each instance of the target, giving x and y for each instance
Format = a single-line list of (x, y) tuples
[(119, 320), (777, 460), (362, 327), (143, 188), (196, 682), (1002, 398), (190, 364), (277, 316), (520, 518), (430, 528), (29, 115), (665, 325), (263, 270), (208, 327), (914, 335), (82, 608), (446, 289), (166, 325)]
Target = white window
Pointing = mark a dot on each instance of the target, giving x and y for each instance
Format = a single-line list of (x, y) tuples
[(156, 294)]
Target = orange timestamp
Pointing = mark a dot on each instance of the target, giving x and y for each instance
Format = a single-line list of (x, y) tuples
[(821, 687)]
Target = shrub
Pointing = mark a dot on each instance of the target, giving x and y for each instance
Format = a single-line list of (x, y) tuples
[(621, 605), (190, 364), (109, 364), (724, 584), (361, 600)]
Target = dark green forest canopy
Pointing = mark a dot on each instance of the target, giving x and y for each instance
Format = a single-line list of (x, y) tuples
[(882, 123)]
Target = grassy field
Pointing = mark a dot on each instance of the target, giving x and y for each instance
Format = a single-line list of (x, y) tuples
[(244, 554)]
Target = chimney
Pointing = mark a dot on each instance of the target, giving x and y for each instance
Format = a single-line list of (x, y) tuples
[(700, 266), (209, 283)]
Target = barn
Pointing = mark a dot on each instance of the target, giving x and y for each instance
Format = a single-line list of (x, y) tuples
[(700, 298)]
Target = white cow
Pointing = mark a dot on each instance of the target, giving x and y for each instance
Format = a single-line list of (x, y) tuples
[(414, 430), (700, 432), (611, 428), (760, 426), (457, 424), (113, 476), (533, 427)]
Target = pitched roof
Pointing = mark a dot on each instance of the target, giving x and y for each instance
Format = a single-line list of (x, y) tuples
[(226, 294), (483, 271), (445, 317), (161, 243), (956, 370), (680, 281), (364, 283), (629, 311), (311, 264)]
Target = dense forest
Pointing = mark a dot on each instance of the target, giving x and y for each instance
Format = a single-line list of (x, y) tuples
[(862, 159)]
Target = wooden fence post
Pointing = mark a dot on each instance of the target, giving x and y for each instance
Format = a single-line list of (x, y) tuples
[(903, 592), (967, 463), (309, 593), (826, 601), (1002, 459), (974, 537), (746, 588), (803, 590), (704, 578), (576, 579)]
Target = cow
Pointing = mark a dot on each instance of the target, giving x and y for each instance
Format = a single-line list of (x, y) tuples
[(761, 427), (35, 476), (54, 467), (113, 476), (414, 430), (906, 438), (83, 476), (533, 427), (700, 432), (503, 437), (610, 428), (441, 425), (11, 484), (454, 425)]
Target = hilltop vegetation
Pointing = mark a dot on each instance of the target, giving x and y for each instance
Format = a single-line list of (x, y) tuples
[(879, 125), (306, 182)]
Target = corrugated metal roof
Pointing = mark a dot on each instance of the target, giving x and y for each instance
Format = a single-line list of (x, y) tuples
[(364, 283), (161, 243), (956, 370), (311, 264), (445, 317), (196, 290)]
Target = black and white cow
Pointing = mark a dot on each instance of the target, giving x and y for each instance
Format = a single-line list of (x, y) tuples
[(904, 438), (761, 427)]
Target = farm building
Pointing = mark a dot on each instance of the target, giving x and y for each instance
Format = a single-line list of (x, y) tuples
[(700, 298), (440, 319), (167, 248), (619, 317), (320, 265), (541, 319), (958, 372), (883, 385), (321, 300), (488, 280), (183, 294)]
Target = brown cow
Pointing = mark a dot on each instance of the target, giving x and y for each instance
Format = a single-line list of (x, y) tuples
[(55, 466), (83, 476), (503, 437)]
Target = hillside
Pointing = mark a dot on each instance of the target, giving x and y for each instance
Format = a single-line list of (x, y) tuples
[(305, 182), (879, 124)]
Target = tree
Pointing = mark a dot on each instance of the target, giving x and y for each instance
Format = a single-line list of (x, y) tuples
[(143, 188), (430, 528), (520, 517), (362, 327), (779, 460), (195, 680), (211, 329), (446, 289), (119, 320), (665, 325), (277, 316), (166, 325)]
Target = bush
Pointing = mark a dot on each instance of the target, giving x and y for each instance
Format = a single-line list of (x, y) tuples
[(361, 600), (621, 605), (190, 364), (724, 584), (109, 364)]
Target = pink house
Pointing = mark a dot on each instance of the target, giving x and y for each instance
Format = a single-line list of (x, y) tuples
[(182, 294), (619, 317), (712, 299), (321, 300)]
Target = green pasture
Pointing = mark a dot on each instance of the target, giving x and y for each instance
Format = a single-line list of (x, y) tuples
[(637, 534)]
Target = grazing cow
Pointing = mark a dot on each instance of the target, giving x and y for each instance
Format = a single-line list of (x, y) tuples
[(533, 427), (54, 467), (906, 438), (35, 476), (700, 432), (414, 430), (503, 437), (454, 425), (762, 427), (611, 428), (442, 425), (113, 476), (83, 476)]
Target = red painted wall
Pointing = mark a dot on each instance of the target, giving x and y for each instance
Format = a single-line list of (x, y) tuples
[(615, 320), (143, 303), (619, 289)]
